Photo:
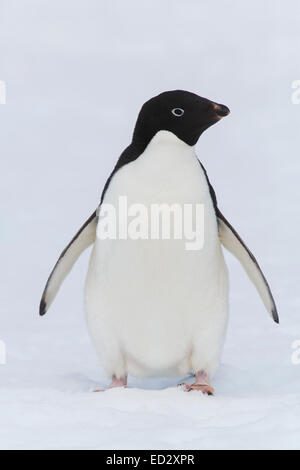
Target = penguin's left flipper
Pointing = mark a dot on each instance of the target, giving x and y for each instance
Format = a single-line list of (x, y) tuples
[(82, 240), (231, 240)]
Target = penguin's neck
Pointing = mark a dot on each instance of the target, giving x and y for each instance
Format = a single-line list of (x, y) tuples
[(166, 151), (167, 138), (164, 157)]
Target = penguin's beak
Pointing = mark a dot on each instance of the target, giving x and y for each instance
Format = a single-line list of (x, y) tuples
[(221, 110)]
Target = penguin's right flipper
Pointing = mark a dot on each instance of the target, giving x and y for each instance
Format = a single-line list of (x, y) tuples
[(231, 240), (82, 240)]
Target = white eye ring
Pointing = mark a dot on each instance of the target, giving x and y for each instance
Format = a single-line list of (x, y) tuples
[(178, 112)]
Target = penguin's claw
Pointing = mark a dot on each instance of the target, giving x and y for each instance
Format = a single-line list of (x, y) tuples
[(204, 388)]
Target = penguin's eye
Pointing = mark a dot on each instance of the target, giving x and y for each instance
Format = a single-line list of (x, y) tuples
[(178, 112)]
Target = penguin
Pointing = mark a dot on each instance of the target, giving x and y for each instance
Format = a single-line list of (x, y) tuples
[(154, 308)]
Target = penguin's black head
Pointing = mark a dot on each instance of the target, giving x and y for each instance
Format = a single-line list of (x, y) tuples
[(183, 113)]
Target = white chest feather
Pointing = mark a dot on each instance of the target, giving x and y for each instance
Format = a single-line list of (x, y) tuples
[(153, 306)]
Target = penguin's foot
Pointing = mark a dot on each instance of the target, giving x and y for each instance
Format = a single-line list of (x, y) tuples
[(201, 384), (115, 383), (205, 389)]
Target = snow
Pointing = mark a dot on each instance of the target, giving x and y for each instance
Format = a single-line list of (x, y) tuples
[(76, 73)]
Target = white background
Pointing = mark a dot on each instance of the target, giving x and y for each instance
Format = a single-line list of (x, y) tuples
[(76, 74)]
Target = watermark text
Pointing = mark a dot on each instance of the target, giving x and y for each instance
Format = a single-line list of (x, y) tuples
[(154, 221), (2, 92), (295, 97), (295, 358), (2, 353)]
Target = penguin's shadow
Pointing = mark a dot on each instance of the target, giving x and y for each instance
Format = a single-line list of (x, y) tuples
[(226, 381), (229, 381), (148, 383)]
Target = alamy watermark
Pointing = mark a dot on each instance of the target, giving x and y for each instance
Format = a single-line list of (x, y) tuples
[(295, 97), (2, 92), (154, 221), (2, 353), (295, 358)]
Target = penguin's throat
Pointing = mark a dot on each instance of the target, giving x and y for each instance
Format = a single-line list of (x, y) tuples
[(166, 152)]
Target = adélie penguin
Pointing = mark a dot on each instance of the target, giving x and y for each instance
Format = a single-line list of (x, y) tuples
[(154, 307)]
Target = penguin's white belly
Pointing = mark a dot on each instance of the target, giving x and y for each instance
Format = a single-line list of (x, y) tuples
[(154, 307)]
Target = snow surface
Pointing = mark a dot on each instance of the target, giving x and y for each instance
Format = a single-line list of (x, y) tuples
[(76, 74)]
